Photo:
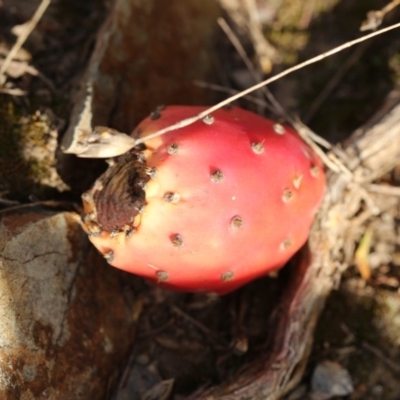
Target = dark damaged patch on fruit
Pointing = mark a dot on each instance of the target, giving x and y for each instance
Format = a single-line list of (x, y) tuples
[(122, 196)]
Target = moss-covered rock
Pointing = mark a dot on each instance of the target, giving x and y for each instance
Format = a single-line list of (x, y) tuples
[(27, 152)]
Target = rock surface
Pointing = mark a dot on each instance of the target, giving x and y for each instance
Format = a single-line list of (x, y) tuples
[(66, 317)]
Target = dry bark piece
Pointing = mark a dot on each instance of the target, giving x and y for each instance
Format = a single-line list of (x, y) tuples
[(65, 322)]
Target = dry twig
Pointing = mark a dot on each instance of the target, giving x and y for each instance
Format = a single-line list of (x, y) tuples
[(218, 88), (101, 146), (12, 91), (384, 189), (382, 357), (375, 17), (334, 81), (265, 52), (28, 28), (256, 76), (313, 60), (308, 136)]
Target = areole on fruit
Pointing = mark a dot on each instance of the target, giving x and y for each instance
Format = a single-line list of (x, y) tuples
[(210, 206)]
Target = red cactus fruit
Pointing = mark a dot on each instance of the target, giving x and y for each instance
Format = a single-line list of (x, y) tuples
[(208, 207)]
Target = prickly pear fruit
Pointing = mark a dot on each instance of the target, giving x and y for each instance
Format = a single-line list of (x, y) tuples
[(208, 207)]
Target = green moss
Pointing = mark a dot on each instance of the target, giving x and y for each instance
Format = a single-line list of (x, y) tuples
[(394, 65), (27, 149), (12, 165), (289, 43), (289, 32)]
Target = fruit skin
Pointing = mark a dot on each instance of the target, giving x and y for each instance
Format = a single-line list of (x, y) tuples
[(227, 199)]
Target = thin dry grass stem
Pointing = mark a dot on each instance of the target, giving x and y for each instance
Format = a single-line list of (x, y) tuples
[(299, 125), (256, 76), (366, 197), (342, 167), (266, 53), (313, 60), (333, 163), (382, 357), (239, 48), (306, 133), (375, 17), (334, 160), (13, 92), (334, 81), (28, 28), (385, 190), (337, 149), (241, 51), (199, 326), (218, 88)]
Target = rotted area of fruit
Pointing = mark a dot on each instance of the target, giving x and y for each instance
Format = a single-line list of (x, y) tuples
[(207, 207)]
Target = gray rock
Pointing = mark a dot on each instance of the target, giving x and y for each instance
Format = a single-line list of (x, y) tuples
[(65, 316), (330, 379)]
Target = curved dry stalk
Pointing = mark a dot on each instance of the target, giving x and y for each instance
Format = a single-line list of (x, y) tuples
[(276, 106), (111, 143), (192, 120)]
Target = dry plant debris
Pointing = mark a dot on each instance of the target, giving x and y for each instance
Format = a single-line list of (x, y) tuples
[(22, 34), (375, 18)]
